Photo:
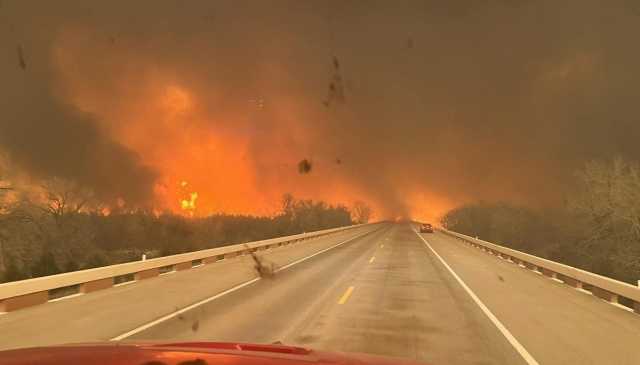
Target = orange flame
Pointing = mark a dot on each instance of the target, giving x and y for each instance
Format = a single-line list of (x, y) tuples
[(189, 204)]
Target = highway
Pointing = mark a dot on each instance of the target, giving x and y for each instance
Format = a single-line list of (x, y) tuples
[(383, 290)]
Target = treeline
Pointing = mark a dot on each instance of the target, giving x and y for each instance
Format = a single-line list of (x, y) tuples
[(60, 232), (598, 229)]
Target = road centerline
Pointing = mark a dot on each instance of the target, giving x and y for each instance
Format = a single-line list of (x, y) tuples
[(228, 291), (346, 295)]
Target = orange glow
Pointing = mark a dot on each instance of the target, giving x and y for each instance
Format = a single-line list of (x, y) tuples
[(189, 205), (200, 147), (427, 207)]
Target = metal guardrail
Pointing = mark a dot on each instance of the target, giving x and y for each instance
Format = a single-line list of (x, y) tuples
[(29, 292), (614, 291)]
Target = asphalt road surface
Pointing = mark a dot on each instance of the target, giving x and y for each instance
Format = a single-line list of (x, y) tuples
[(380, 290)]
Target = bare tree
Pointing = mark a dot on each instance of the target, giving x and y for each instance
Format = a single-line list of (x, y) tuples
[(4, 189), (11, 213), (361, 212), (288, 203), (609, 196), (62, 198)]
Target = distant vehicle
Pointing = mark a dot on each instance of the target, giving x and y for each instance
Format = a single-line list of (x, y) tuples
[(185, 353), (426, 228)]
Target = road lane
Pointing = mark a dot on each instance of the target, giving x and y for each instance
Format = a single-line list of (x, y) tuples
[(554, 322), (402, 304), (105, 314), (384, 293), (264, 311)]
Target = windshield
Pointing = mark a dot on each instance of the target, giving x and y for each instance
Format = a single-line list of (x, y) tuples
[(446, 182)]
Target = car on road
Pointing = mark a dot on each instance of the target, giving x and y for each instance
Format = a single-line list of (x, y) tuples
[(426, 228), (185, 353)]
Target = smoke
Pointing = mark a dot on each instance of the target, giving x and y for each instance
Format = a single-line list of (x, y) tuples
[(49, 137), (426, 104)]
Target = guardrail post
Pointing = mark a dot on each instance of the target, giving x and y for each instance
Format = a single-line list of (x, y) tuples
[(146, 274), (209, 260), (606, 295), (23, 301), (94, 285), (548, 273), (183, 266)]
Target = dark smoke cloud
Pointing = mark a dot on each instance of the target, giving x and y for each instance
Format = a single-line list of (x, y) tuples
[(465, 100), (50, 139), (47, 137)]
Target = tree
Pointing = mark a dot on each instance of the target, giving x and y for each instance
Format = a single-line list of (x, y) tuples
[(609, 197), (361, 212), (71, 265), (607, 203), (4, 189), (598, 230), (11, 212), (97, 259), (288, 204), (63, 198), (12, 271), (46, 265)]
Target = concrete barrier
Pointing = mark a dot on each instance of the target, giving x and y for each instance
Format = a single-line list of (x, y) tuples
[(603, 287), (25, 293)]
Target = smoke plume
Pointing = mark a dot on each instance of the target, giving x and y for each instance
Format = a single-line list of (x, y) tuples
[(425, 104)]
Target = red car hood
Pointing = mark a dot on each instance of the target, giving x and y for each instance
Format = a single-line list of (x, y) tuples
[(186, 353)]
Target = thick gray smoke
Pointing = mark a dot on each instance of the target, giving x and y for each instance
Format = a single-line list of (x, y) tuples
[(462, 100), (46, 136)]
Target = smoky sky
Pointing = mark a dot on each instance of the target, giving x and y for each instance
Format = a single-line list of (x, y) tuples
[(48, 137), (461, 100)]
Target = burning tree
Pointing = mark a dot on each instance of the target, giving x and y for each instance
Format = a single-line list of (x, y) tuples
[(63, 198)]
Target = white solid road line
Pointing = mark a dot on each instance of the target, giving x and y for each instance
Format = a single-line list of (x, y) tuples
[(185, 309), (512, 340), (237, 287)]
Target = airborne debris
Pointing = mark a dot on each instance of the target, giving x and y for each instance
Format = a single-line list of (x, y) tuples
[(195, 326), (500, 278), (21, 60), (264, 269), (338, 161), (336, 89), (304, 166)]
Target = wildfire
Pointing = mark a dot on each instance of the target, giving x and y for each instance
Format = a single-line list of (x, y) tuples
[(188, 204), (222, 157)]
